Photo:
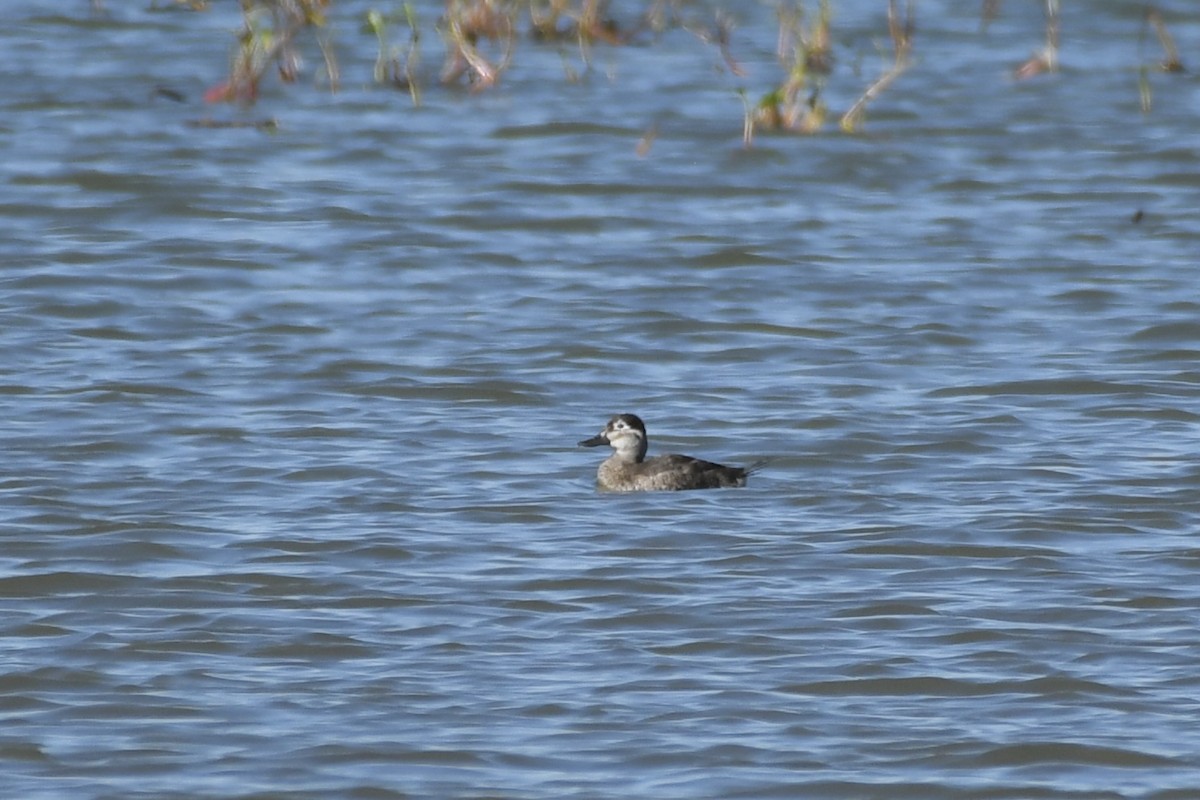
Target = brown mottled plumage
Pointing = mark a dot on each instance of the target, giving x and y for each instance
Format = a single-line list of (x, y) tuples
[(628, 469)]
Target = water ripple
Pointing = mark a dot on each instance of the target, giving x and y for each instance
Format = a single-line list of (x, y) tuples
[(291, 495)]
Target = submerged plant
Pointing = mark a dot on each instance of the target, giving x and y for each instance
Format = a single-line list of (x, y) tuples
[(990, 9), (1170, 62), (1046, 59), (805, 53), (480, 37), (721, 36), (465, 25), (585, 24), (268, 37), (546, 18), (901, 33), (391, 64)]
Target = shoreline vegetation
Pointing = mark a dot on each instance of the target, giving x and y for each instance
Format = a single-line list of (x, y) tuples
[(479, 39)]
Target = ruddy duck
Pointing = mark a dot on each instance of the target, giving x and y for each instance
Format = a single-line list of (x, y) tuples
[(628, 470)]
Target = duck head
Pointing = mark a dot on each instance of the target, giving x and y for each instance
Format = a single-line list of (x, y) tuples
[(624, 433)]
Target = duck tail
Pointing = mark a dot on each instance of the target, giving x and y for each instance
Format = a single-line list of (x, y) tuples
[(757, 466)]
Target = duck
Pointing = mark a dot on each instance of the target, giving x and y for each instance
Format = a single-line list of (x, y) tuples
[(628, 469)]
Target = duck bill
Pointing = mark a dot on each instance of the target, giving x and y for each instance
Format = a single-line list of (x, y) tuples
[(595, 441)]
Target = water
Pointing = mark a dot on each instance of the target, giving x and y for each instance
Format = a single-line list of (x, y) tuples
[(290, 499)]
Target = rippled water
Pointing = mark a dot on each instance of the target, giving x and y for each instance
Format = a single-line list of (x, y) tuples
[(291, 504)]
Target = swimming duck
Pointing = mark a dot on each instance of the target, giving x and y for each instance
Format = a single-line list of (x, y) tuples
[(628, 469)]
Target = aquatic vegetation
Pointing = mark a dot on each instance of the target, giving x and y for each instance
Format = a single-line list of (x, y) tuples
[(805, 54), (480, 39), (268, 37), (901, 34), (1045, 59), (393, 65), (1169, 63), (466, 25), (552, 20)]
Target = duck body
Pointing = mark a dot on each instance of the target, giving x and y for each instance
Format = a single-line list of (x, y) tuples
[(628, 469)]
